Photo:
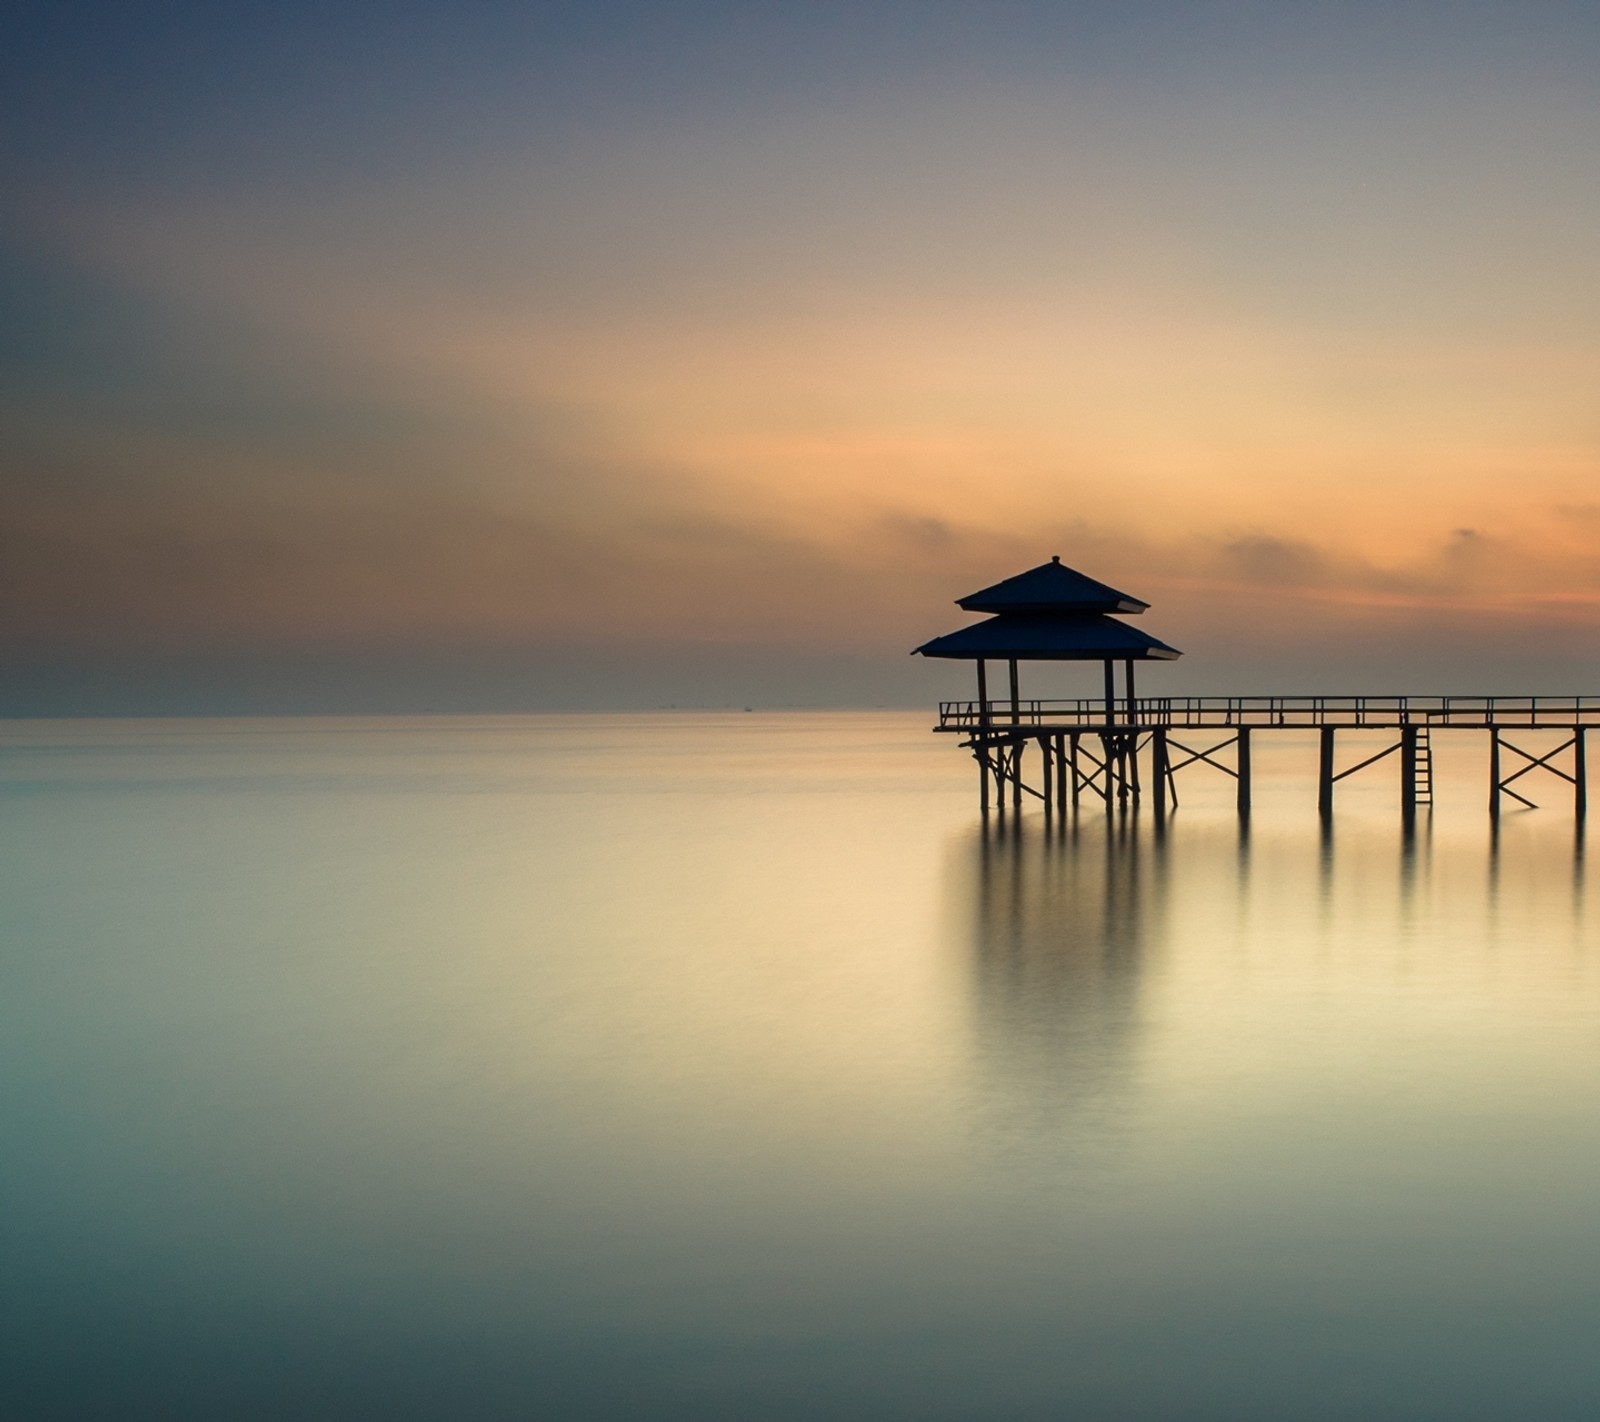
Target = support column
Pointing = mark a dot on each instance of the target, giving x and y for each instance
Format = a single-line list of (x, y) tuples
[(1158, 768), (1132, 713), (1494, 772), (1047, 774), (1325, 775), (1016, 770), (1061, 772), (983, 696), (1580, 773), (1408, 773), (1242, 785), (1016, 709), (1111, 694), (983, 779), (1073, 752)]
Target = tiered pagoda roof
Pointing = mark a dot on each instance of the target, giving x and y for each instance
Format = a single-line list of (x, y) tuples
[(1050, 613)]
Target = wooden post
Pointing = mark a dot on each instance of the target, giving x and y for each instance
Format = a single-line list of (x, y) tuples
[(983, 779), (1047, 774), (1016, 709), (1133, 720), (1325, 775), (1408, 773), (1016, 769), (1494, 772), (1061, 772), (1073, 752), (1580, 773), (983, 696), (1242, 785), (1158, 768), (1111, 692)]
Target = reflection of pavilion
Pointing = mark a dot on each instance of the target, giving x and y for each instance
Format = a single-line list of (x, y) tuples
[(1061, 929)]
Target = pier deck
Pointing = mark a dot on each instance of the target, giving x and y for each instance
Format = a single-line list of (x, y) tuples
[(1272, 712)]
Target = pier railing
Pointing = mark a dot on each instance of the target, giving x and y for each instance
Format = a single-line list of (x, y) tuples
[(1197, 712)]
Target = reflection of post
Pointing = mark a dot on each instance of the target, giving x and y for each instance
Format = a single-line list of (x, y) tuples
[(1494, 859), (1578, 837), (1325, 860), (1410, 838)]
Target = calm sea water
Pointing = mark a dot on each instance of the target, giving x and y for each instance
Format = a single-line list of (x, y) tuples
[(727, 1067)]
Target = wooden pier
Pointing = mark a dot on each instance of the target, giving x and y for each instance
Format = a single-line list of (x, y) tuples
[(1108, 748), (1108, 752)]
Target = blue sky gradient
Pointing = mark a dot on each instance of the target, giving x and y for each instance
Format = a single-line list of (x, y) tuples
[(565, 355)]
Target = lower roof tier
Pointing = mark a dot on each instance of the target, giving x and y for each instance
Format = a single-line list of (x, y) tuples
[(1063, 637)]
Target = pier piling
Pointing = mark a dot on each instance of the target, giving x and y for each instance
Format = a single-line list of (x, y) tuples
[(1158, 768), (1325, 774), (1242, 773), (1494, 772), (1408, 774), (1580, 774)]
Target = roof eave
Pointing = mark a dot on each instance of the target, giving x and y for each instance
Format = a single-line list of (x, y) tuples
[(1142, 654), (977, 603)]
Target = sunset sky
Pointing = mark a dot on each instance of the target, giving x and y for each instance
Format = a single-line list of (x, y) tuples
[(513, 356)]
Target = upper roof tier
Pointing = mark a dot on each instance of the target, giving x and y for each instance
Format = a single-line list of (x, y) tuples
[(1051, 587)]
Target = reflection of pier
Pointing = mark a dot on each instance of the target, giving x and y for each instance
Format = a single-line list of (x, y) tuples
[(1061, 930), (1094, 747)]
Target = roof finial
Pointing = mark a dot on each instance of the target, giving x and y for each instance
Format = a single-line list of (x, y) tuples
[(1055, 557)]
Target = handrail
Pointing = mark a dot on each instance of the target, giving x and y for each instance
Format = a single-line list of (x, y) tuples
[(1197, 712)]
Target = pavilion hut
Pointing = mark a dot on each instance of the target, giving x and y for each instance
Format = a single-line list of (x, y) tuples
[(1051, 613)]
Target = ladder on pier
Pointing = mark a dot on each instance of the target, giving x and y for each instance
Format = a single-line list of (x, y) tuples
[(1424, 767)]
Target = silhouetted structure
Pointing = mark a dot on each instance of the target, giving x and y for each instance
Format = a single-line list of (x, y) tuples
[(1053, 613), (1094, 745)]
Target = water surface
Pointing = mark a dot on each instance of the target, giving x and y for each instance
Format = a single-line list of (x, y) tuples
[(693, 1066)]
